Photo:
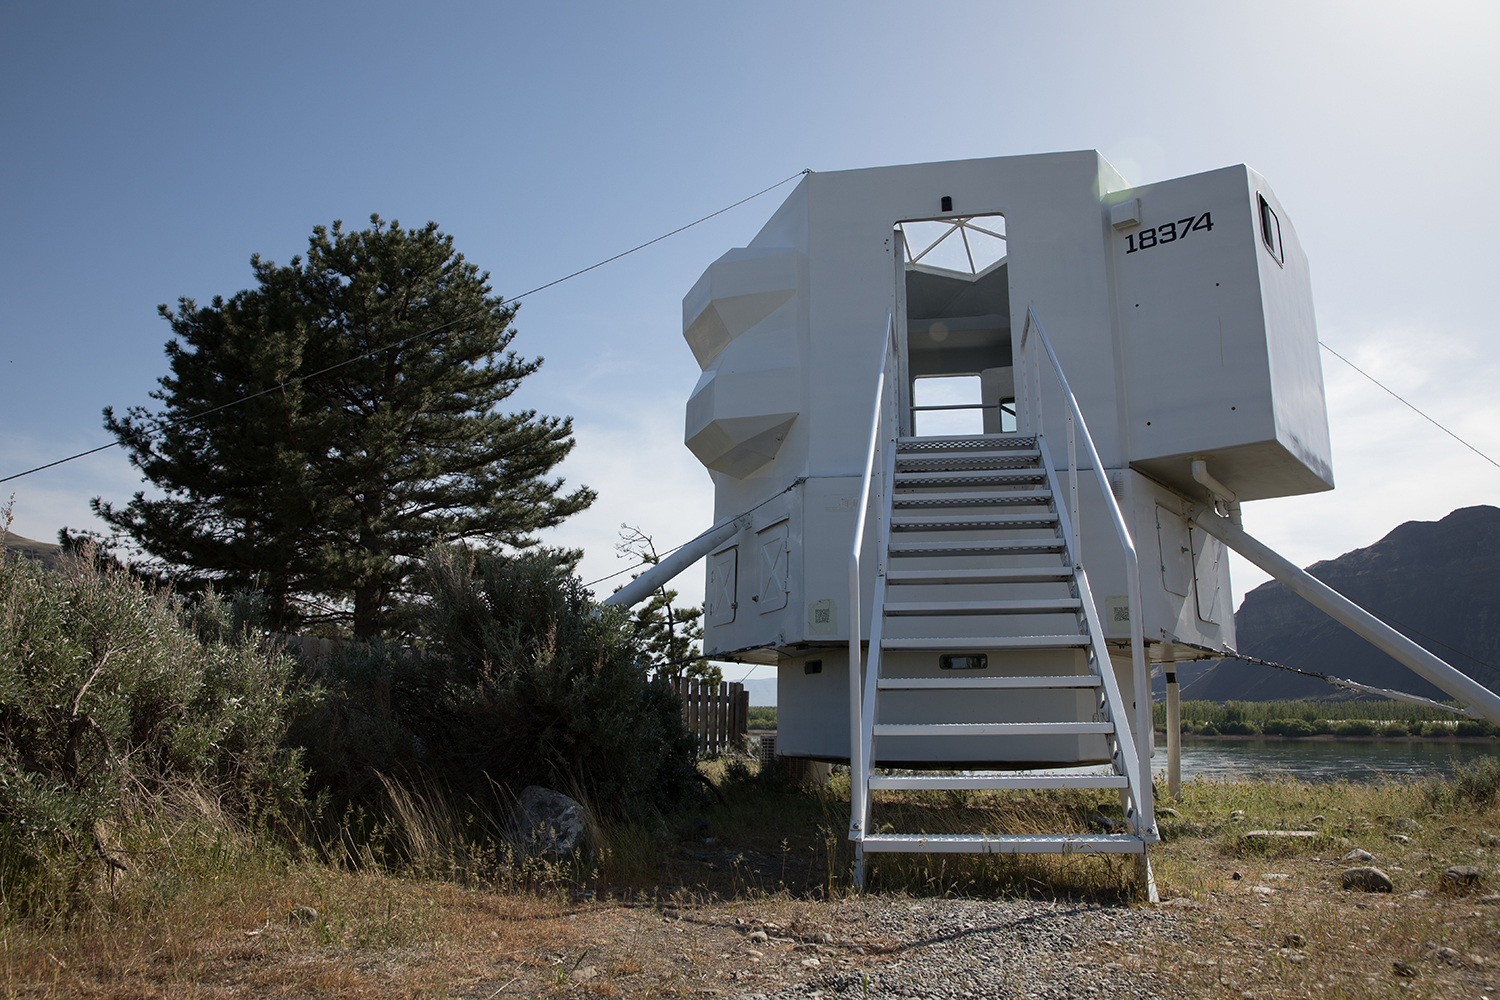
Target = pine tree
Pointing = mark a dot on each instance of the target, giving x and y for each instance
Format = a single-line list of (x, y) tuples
[(320, 430)]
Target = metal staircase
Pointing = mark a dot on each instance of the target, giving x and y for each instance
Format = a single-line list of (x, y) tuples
[(985, 647)]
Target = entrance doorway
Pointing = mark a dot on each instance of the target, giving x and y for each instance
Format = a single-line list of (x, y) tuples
[(954, 328)]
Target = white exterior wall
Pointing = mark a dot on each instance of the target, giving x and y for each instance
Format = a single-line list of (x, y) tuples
[(1220, 343), (1204, 348)]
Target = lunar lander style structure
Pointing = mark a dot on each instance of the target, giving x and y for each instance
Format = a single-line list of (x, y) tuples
[(980, 430)]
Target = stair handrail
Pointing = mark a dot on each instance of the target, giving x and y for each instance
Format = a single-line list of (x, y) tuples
[(1144, 728), (857, 763)]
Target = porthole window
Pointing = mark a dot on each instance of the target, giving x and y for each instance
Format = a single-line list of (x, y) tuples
[(1270, 230)]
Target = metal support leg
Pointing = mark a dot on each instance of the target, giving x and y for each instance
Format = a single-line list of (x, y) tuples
[(1174, 738), (1145, 881), (859, 867)]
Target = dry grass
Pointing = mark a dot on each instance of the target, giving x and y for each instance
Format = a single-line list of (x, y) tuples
[(207, 911), (372, 935), (1272, 919), (1099, 878)]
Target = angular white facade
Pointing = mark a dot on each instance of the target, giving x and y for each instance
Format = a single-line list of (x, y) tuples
[(1181, 314)]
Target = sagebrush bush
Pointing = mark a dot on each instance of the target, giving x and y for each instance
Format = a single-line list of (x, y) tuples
[(108, 695), (1473, 784), (522, 680), (530, 682), (356, 733)]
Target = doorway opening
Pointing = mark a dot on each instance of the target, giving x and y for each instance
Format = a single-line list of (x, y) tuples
[(957, 348)]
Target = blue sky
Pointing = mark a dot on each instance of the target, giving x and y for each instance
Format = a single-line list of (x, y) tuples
[(150, 148)]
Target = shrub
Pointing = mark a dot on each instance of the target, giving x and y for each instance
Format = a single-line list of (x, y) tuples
[(1436, 729), (354, 735), (1322, 727), (1474, 727), (1394, 730), (527, 681), (109, 693), (1354, 727), (1474, 784), (1239, 727), (1209, 729), (1290, 727)]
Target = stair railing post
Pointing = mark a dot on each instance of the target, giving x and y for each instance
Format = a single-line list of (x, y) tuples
[(877, 619), (1073, 491), (1144, 731), (858, 765), (1024, 407)]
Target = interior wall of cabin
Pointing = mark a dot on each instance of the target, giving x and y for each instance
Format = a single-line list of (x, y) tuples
[(959, 325)]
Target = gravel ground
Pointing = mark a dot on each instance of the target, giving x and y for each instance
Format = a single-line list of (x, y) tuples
[(1007, 948)]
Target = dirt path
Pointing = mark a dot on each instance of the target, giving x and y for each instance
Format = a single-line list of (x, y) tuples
[(858, 947)]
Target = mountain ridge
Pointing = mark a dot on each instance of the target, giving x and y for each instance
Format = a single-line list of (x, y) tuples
[(1437, 582), (49, 553)]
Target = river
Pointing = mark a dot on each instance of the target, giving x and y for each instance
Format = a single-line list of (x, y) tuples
[(1319, 760)]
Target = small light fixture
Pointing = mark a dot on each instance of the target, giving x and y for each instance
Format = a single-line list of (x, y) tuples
[(1126, 214), (947, 203)]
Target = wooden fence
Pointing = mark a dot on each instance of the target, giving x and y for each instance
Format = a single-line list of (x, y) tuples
[(718, 716)]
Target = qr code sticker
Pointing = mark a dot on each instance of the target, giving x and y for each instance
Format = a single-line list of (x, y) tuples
[(1122, 613), (820, 616)]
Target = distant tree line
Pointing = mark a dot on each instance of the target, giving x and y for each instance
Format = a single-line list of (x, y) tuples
[(1391, 719)]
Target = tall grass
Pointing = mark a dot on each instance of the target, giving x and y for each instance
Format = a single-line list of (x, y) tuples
[(1100, 877)]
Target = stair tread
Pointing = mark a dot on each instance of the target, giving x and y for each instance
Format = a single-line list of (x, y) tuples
[(993, 728), (908, 500), (1055, 605), (978, 643), (978, 548), (967, 681), (960, 521), (962, 476), (942, 442), (1018, 457), (947, 781), (1000, 574), (1027, 843)]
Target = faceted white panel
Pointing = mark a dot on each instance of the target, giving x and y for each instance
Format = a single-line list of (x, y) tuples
[(738, 291), (736, 421)]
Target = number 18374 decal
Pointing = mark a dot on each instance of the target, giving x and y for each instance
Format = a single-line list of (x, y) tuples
[(1169, 232)]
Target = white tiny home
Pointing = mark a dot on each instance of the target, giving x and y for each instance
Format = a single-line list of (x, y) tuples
[(1001, 525), (1180, 312)]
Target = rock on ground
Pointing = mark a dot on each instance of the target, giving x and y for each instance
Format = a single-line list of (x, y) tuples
[(548, 821), (1368, 879)]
